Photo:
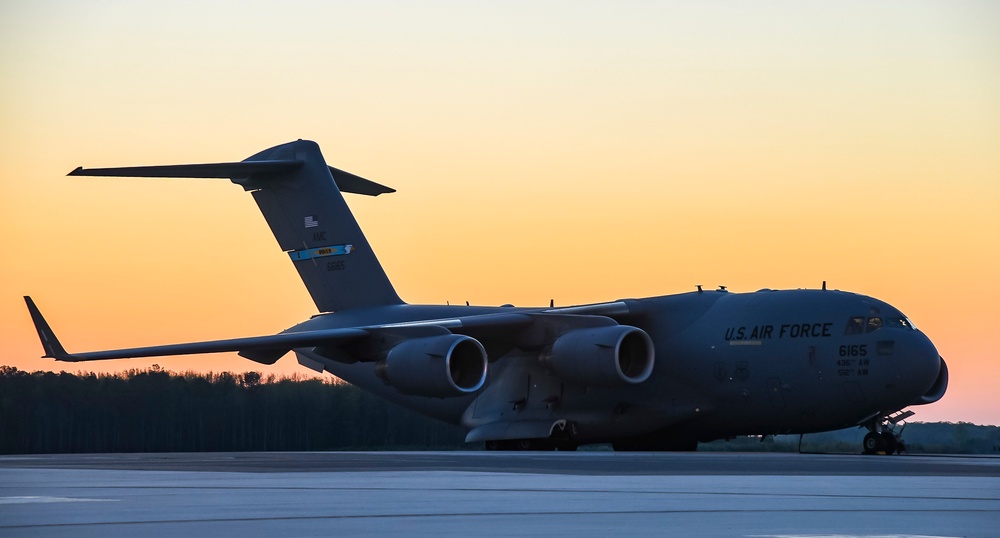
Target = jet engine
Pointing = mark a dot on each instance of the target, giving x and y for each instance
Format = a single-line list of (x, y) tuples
[(612, 356), (435, 366)]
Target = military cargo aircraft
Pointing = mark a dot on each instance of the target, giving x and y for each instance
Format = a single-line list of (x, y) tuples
[(659, 373)]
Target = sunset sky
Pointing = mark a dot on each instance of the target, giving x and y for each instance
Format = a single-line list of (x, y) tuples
[(574, 151)]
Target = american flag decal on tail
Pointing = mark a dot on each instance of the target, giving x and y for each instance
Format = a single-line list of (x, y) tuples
[(311, 221), (321, 252)]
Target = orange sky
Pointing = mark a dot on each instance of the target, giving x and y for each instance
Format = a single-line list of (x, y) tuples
[(575, 151)]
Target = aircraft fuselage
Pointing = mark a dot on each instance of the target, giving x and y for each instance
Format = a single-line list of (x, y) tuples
[(727, 364)]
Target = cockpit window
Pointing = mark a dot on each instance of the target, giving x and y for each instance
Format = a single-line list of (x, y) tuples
[(898, 322), (861, 325), (855, 326)]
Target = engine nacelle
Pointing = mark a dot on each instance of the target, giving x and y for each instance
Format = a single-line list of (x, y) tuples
[(612, 356), (435, 366)]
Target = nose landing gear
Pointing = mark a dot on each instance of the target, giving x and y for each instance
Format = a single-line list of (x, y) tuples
[(882, 437)]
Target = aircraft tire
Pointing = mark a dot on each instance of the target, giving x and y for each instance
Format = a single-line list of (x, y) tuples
[(535, 444), (498, 444), (889, 441), (652, 443), (520, 444), (566, 446), (524, 444), (873, 443)]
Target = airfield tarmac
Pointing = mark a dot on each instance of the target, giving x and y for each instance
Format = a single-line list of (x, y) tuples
[(497, 493)]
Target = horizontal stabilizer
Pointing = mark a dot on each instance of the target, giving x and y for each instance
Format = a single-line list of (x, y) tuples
[(346, 181), (214, 170)]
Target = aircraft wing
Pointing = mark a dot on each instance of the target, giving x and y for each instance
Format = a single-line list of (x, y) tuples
[(279, 344), (268, 349)]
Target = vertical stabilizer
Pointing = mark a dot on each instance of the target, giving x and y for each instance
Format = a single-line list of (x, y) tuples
[(312, 223)]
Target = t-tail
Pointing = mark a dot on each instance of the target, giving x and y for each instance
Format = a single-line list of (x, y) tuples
[(300, 197)]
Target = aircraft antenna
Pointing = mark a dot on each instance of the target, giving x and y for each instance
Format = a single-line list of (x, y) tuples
[(824, 285)]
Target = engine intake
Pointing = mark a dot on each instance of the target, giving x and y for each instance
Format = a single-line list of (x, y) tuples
[(435, 366), (612, 356)]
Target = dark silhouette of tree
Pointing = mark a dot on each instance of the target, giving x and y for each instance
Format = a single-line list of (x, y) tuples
[(155, 410)]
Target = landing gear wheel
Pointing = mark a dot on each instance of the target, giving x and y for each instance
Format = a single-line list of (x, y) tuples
[(874, 443), (889, 443), (519, 444), (501, 444), (657, 442), (525, 444), (566, 446), (885, 433)]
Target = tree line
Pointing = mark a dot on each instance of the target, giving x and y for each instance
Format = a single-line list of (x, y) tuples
[(154, 410)]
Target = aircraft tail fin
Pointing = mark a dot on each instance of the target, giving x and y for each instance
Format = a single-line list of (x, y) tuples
[(300, 197)]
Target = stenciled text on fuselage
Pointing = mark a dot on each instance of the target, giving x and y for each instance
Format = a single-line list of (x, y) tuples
[(787, 330)]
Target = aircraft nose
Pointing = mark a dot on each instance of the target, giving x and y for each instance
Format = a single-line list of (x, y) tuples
[(924, 371), (939, 387)]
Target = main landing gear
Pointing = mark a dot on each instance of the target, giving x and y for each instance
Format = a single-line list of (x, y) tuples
[(531, 444), (882, 437), (562, 438)]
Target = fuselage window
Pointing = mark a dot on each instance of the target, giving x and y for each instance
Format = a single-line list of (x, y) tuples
[(874, 324), (855, 326)]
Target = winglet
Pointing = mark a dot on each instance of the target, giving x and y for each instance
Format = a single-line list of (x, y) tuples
[(53, 349)]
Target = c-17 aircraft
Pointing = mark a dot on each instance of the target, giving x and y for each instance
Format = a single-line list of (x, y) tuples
[(659, 373)]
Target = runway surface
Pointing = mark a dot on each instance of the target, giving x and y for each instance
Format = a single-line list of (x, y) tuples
[(494, 494)]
